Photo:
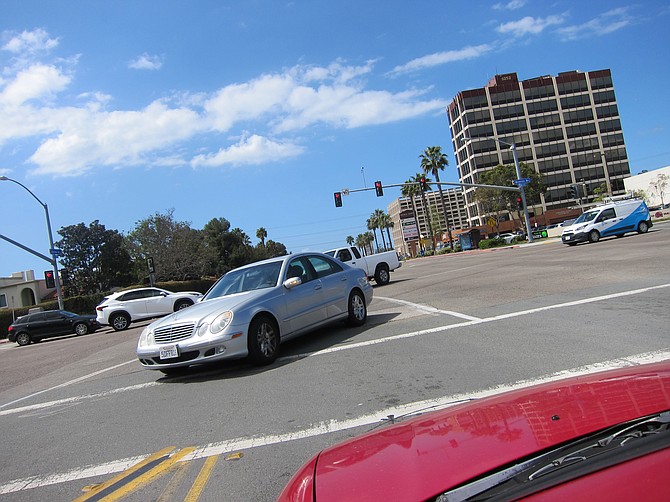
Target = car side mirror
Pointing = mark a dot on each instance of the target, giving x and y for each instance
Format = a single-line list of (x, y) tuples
[(292, 282)]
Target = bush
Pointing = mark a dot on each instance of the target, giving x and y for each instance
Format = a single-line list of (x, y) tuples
[(492, 243)]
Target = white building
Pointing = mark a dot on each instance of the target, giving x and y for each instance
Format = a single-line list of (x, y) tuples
[(651, 183)]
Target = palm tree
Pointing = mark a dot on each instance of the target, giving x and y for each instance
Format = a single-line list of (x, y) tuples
[(262, 234), (385, 223), (378, 217), (411, 190), (416, 181), (371, 224), (433, 161), (350, 240)]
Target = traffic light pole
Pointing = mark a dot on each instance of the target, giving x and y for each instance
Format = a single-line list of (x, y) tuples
[(54, 256)]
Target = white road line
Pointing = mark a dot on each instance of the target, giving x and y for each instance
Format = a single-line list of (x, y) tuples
[(66, 384), (427, 308), (321, 428)]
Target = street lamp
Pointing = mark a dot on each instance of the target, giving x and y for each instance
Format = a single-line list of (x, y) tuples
[(512, 147), (52, 251)]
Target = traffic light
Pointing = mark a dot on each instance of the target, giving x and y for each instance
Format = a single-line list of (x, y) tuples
[(150, 265), (64, 276), (338, 199), (379, 188), (424, 184), (573, 191), (49, 279), (519, 205)]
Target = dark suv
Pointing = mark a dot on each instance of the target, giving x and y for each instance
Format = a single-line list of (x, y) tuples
[(35, 327)]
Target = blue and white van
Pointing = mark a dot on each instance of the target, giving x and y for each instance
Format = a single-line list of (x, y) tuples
[(615, 217)]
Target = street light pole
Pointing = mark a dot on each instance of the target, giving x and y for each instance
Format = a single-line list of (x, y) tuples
[(54, 256), (512, 146), (529, 231)]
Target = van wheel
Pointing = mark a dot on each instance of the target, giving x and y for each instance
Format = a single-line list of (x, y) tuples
[(594, 236), (642, 227)]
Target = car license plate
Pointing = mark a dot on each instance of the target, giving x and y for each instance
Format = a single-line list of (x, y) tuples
[(169, 352)]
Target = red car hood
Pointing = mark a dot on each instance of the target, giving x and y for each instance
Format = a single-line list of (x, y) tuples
[(427, 455)]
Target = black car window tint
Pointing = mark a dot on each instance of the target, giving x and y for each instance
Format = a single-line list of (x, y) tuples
[(37, 318)]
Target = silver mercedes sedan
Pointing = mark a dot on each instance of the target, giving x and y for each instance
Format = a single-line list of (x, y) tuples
[(251, 309)]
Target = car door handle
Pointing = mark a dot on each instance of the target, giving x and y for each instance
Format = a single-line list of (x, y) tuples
[(317, 286)]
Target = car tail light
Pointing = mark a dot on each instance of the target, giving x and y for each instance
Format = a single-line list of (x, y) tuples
[(10, 329), (99, 308)]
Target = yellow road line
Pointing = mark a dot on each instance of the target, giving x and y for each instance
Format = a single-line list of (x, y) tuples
[(148, 476), (200, 482), (126, 473)]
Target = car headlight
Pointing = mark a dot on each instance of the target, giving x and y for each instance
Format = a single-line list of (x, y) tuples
[(146, 337), (221, 322)]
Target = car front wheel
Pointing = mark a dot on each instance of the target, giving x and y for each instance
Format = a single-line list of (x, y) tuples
[(263, 341), (120, 321), (358, 312), (23, 339), (594, 236), (80, 329)]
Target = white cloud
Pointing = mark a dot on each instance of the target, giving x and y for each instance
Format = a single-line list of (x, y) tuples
[(36, 82), (512, 5), (440, 58), (604, 24), (30, 42), (86, 134), (146, 62), (254, 149), (529, 25)]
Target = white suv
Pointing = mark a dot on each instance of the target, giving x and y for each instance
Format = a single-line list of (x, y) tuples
[(120, 309)]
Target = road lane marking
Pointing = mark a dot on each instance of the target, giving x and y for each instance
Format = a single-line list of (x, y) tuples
[(427, 308), (151, 460), (66, 384), (76, 399), (200, 482), (327, 427)]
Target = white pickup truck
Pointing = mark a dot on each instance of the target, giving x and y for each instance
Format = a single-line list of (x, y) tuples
[(377, 266)]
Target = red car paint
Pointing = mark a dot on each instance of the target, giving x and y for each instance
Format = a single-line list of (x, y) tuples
[(425, 456)]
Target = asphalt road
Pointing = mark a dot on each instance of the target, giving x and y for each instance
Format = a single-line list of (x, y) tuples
[(76, 412)]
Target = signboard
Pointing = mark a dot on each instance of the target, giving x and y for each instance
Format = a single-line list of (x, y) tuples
[(410, 230), (521, 182), (491, 222)]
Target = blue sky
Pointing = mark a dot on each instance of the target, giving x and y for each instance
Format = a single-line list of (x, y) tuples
[(258, 110)]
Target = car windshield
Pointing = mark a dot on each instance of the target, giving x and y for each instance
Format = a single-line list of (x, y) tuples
[(587, 216), (246, 279)]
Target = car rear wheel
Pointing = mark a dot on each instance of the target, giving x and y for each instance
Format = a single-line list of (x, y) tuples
[(120, 321), (80, 328), (23, 339), (358, 311), (382, 275), (594, 236), (263, 340), (182, 304), (642, 227)]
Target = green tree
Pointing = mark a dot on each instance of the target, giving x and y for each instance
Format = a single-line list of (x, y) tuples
[(371, 224), (378, 219), (432, 162), (410, 190), (178, 250), (350, 240), (497, 200), (262, 234), (95, 258)]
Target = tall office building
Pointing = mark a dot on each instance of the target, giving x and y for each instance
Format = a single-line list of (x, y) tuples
[(566, 127)]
